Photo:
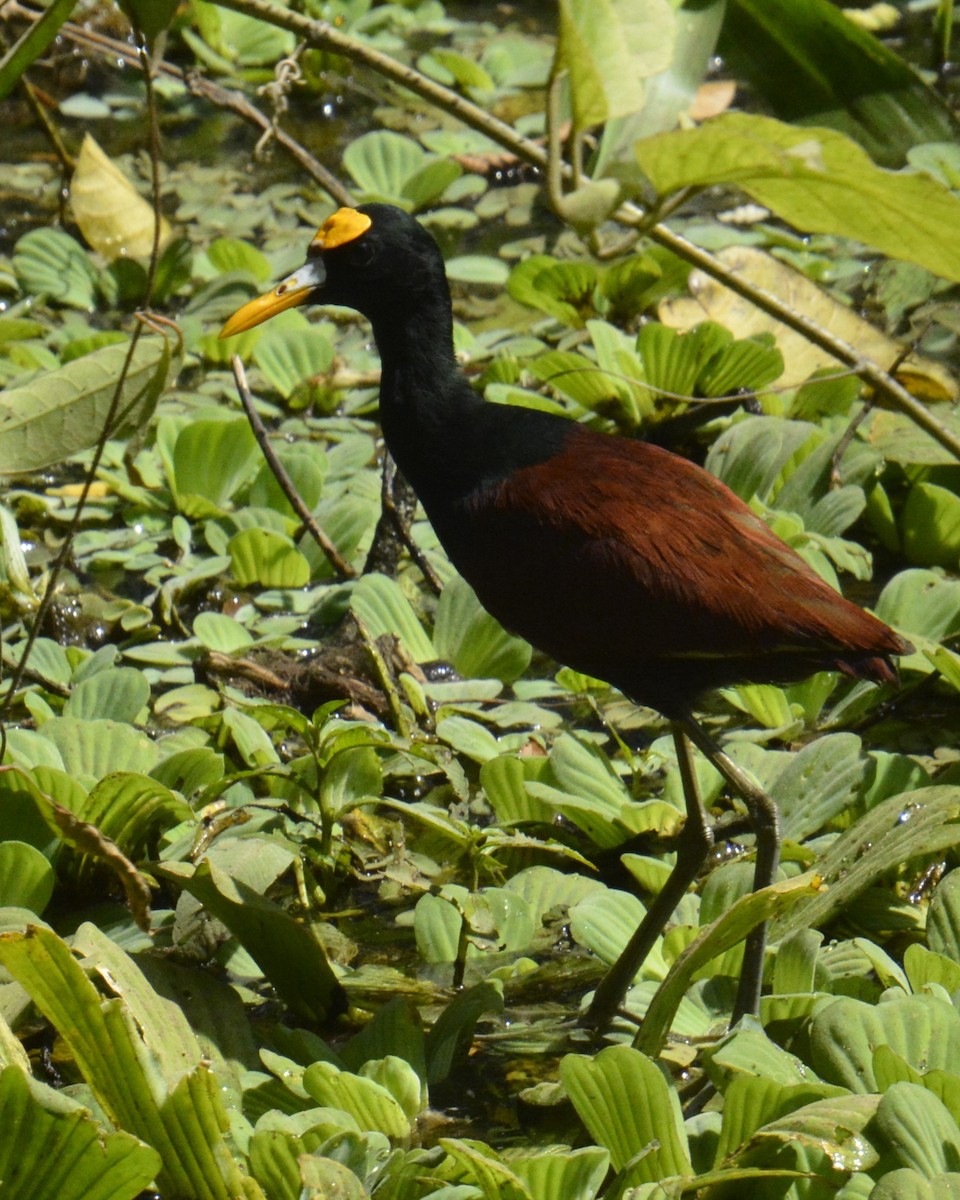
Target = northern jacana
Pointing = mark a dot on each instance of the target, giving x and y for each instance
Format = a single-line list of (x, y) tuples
[(618, 558)]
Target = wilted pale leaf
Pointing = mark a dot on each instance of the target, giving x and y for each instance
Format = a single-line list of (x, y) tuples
[(714, 302), (113, 217)]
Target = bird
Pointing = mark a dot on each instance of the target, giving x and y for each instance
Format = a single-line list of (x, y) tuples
[(617, 557)]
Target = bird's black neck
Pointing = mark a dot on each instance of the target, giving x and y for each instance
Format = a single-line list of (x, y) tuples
[(447, 441), (427, 408)]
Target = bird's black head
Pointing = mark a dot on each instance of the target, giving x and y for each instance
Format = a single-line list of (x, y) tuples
[(376, 259)]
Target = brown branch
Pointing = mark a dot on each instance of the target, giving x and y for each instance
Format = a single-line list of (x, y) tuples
[(330, 552)]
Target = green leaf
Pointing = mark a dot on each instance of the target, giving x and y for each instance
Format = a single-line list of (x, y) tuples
[(918, 1129), (368, 1102), (383, 608), (117, 694), (816, 179), (62, 412), (907, 1184), (210, 459), (288, 355), (93, 748), (287, 952), (26, 878), (53, 1149), (476, 643), (943, 918), (651, 1122), (607, 48), (814, 66), (232, 254), (261, 556), (573, 1174), (818, 783), (153, 1084), (151, 17), (219, 632), (921, 602), (483, 1166), (924, 1030), (752, 1101), (930, 526), (382, 162)]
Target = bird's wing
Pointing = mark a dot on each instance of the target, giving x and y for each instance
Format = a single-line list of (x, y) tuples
[(625, 531)]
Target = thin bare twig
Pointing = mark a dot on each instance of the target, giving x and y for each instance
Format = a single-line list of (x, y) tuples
[(330, 552)]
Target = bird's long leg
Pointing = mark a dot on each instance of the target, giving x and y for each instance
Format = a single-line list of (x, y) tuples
[(693, 846), (765, 817)]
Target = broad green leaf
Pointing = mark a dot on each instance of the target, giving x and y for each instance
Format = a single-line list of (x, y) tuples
[(943, 918), (817, 180), (752, 1101), (117, 694), (607, 48), (604, 922), (835, 1127), (323, 1177), (53, 1149), (383, 608), (930, 526), (62, 412), (814, 66), (818, 783), (574, 1174), (484, 1167), (381, 162), (26, 878), (368, 1102), (651, 1122), (240, 39), (210, 459), (907, 1184), (924, 1030), (918, 1129), (169, 1099), (290, 355), (94, 748), (219, 632), (921, 602), (150, 17), (504, 781), (232, 254), (267, 558)]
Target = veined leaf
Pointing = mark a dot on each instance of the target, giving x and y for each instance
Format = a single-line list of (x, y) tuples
[(62, 413), (817, 179)]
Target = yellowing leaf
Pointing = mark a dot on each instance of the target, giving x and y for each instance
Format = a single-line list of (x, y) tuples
[(113, 217), (712, 301)]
